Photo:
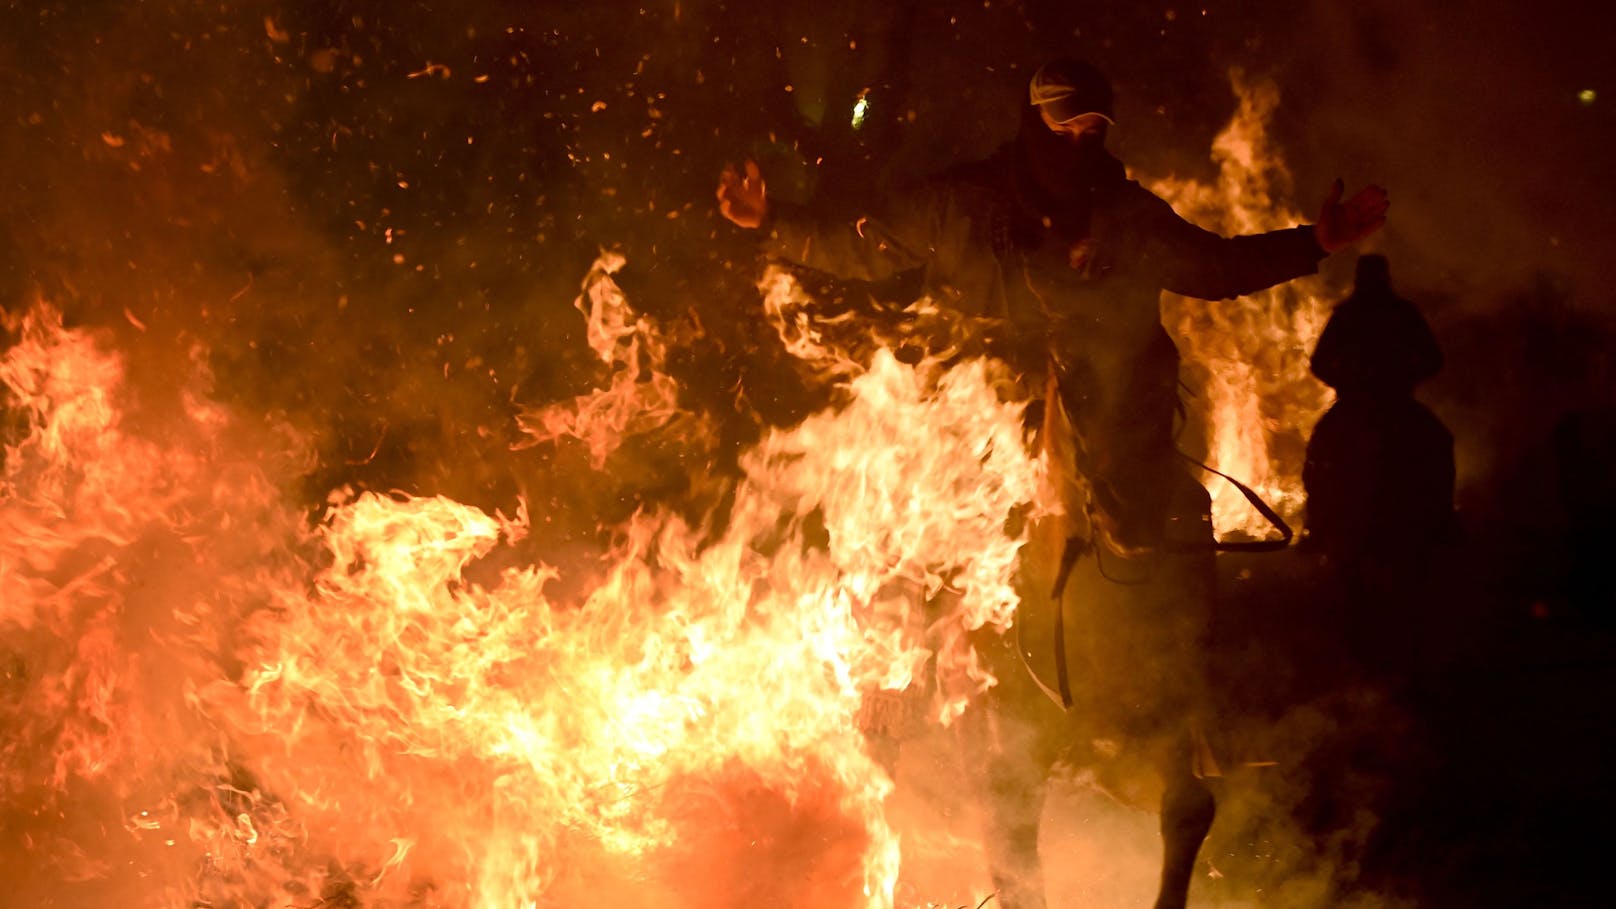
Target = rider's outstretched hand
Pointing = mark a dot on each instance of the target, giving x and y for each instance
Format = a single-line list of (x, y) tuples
[(743, 199), (1342, 224)]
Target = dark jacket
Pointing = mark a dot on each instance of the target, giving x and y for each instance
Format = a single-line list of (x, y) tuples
[(1074, 284), (982, 240)]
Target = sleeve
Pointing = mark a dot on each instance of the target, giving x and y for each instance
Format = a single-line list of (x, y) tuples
[(903, 235), (1194, 262)]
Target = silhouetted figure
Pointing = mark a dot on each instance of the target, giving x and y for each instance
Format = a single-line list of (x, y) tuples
[(1379, 479), (1379, 472), (1585, 455)]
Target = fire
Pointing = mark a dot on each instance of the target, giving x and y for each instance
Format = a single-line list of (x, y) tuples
[(211, 702), (641, 397), (1248, 358)]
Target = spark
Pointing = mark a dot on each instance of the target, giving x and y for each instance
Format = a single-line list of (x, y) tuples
[(431, 69)]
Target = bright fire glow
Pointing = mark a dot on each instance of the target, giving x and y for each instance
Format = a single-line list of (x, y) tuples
[(392, 707), (1247, 359)]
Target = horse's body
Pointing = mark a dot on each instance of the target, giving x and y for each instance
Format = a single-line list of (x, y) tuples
[(1132, 637)]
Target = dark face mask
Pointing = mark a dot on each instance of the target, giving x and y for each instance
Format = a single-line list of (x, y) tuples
[(1062, 169)]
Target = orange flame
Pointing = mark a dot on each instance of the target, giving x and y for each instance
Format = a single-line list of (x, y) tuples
[(1249, 357), (377, 708), (641, 397)]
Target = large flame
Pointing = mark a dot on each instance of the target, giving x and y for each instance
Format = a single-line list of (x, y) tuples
[(640, 396), (1248, 359), (210, 702)]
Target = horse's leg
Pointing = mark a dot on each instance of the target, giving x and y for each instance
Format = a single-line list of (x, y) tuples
[(1007, 743), (1186, 815), (1015, 802), (1189, 581)]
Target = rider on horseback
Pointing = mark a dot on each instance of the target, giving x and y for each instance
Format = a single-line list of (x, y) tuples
[(1049, 240)]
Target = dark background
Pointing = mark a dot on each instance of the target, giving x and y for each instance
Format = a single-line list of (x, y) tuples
[(374, 216)]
